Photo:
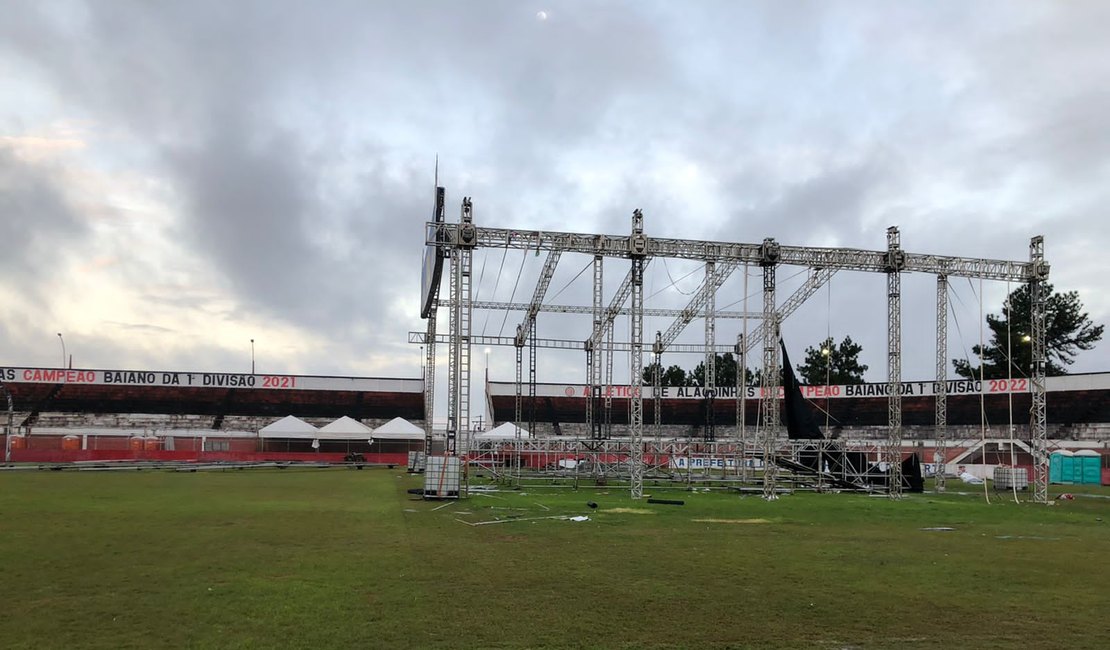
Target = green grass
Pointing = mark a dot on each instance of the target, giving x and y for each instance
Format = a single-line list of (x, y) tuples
[(339, 558)]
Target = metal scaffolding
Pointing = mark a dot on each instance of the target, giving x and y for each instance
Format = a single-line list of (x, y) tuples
[(940, 455), (709, 433), (458, 240), (593, 367), (893, 457), (1038, 423), (769, 384), (637, 252), (570, 462), (741, 396)]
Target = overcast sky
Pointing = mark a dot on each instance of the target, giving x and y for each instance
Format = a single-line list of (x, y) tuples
[(177, 178)]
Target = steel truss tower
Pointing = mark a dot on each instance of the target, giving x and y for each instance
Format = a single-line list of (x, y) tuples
[(657, 383), (637, 251), (593, 367), (457, 241), (769, 386), (9, 429), (709, 392), (458, 372), (603, 330), (940, 456), (741, 401), (1038, 429), (430, 377), (893, 456)]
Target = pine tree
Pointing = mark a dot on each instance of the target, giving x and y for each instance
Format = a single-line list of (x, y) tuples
[(1068, 330), (832, 364)]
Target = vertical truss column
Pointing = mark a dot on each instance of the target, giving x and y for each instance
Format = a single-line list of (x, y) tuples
[(710, 434), (9, 429), (1038, 432), (464, 355), (895, 262), (637, 251), (593, 368), (518, 343), (607, 351), (429, 380), (657, 383), (531, 378), (518, 403), (741, 398), (458, 384), (769, 387), (452, 432), (940, 454)]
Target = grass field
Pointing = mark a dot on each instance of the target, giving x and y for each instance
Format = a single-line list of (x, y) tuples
[(342, 558)]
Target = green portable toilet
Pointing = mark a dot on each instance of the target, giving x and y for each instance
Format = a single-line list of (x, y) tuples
[(1061, 466), (1088, 467)]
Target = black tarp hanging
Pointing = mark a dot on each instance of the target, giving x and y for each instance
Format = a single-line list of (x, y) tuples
[(843, 468), (800, 424)]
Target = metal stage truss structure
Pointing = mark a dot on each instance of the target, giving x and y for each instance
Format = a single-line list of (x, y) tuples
[(455, 243), (579, 463)]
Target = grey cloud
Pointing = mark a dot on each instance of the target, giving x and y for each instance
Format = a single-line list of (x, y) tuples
[(297, 138), (140, 327), (37, 221)]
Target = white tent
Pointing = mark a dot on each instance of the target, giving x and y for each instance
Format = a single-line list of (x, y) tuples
[(288, 427), (506, 431), (345, 428), (398, 429)]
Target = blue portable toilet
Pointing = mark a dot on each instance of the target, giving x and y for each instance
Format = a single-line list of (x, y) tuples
[(1088, 467), (1061, 466)]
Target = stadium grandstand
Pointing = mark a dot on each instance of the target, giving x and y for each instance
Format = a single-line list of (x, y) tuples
[(78, 414), (988, 422), (60, 415)]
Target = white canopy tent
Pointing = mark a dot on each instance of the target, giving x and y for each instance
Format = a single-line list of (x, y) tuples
[(506, 431), (398, 429), (289, 426), (345, 428)]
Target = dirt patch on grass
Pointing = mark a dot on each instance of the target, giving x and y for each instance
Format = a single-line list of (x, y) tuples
[(630, 511), (732, 521)]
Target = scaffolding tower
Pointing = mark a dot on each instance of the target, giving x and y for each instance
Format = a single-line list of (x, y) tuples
[(457, 241)]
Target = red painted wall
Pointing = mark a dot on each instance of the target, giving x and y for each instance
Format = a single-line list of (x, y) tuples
[(60, 456)]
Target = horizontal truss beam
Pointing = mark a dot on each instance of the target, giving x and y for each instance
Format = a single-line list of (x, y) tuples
[(623, 311), (447, 235), (563, 344)]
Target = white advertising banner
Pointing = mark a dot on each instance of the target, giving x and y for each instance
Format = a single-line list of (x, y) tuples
[(1096, 381), (207, 380)]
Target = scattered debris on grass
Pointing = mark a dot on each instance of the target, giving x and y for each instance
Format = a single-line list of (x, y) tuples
[(667, 502), (492, 496), (542, 506), (442, 506), (732, 521), (938, 529), (516, 519), (1044, 539), (629, 511), (410, 510), (591, 504)]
